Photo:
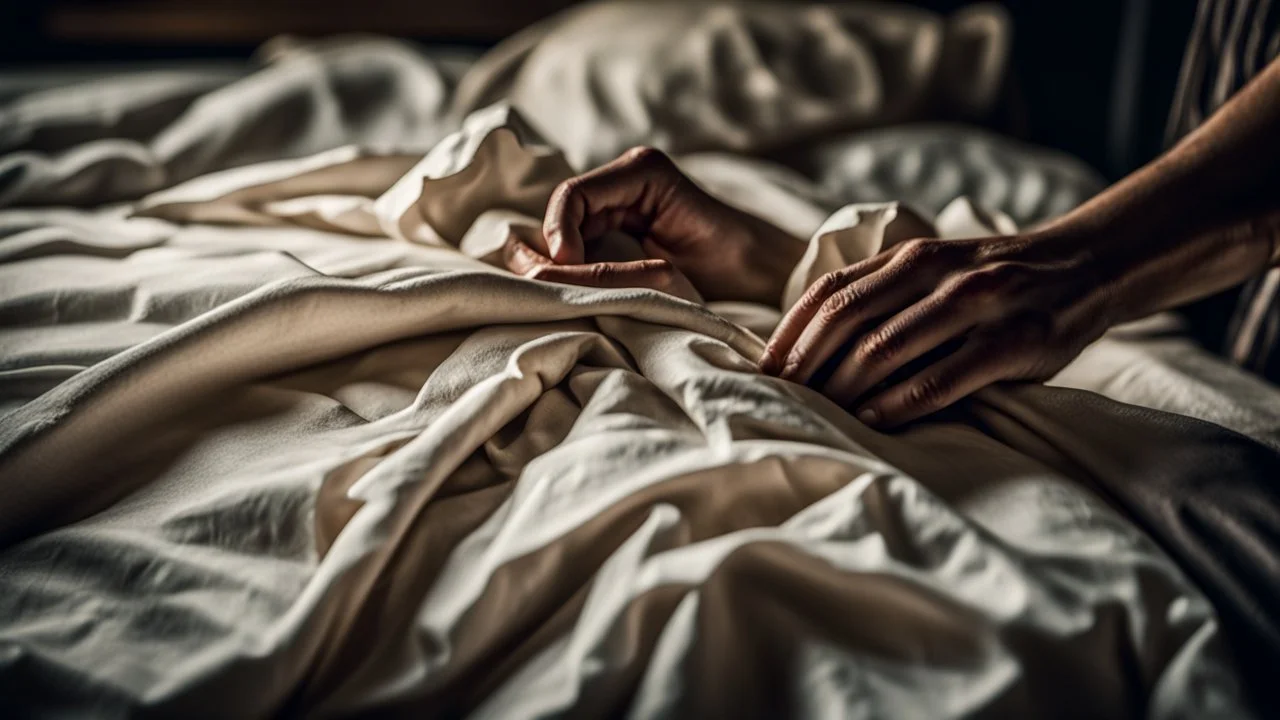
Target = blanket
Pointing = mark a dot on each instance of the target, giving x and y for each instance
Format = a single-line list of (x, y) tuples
[(284, 438)]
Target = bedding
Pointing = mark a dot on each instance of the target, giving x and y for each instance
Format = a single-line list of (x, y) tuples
[(111, 139), (746, 77), (278, 435)]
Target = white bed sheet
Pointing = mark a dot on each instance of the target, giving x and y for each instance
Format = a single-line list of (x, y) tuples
[(320, 457)]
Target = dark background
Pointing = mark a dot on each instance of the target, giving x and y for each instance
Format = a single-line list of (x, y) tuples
[(1092, 77)]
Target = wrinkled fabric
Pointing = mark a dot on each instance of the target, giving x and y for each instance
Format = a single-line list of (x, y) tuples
[(928, 165), (117, 140), (281, 437), (744, 77), (275, 465)]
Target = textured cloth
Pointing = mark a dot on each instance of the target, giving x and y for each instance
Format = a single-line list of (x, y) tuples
[(746, 77), (282, 439), (335, 472), (930, 164), (1231, 42), (112, 140)]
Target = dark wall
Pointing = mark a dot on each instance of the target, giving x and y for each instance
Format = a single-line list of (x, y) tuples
[(1097, 76)]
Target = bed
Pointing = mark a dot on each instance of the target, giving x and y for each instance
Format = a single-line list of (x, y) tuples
[(280, 436)]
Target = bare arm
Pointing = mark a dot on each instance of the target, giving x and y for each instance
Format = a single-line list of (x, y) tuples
[(1198, 219), (925, 323), (1201, 218)]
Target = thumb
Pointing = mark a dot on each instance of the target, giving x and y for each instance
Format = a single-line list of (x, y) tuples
[(520, 258), (653, 273)]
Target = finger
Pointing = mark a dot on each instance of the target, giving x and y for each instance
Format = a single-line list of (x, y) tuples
[(847, 313), (605, 198), (637, 273), (520, 258), (899, 340), (972, 367), (802, 313), (654, 274)]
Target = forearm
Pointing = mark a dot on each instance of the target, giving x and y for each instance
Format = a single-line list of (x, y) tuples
[(1198, 219), (1213, 176)]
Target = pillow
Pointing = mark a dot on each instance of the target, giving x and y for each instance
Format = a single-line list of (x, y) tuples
[(742, 77), (927, 166)]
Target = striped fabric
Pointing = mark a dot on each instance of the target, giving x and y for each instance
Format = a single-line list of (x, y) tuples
[(1231, 42)]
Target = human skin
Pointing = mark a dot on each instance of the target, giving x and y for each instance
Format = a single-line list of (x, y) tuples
[(691, 239), (958, 315)]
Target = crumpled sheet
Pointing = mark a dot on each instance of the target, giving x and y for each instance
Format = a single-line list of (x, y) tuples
[(340, 465), (742, 76), (927, 165), (115, 140)]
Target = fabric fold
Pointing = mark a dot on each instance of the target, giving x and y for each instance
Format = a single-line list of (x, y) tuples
[(285, 441)]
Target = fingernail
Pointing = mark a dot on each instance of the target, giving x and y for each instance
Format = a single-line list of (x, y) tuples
[(869, 416)]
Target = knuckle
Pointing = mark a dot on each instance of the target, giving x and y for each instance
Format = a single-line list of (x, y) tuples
[(1007, 274), (880, 346), (976, 284), (954, 297), (927, 392), (839, 304), (917, 250), (569, 187), (989, 281), (827, 285), (559, 200), (645, 154)]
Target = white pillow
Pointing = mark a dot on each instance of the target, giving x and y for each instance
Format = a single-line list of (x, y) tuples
[(745, 77)]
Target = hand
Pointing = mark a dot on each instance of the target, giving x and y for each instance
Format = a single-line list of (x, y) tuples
[(656, 274), (725, 253), (939, 319)]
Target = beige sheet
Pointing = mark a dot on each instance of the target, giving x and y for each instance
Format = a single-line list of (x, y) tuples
[(116, 140), (745, 76), (323, 472), (280, 437)]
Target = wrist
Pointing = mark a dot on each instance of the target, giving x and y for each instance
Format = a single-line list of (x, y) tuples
[(1100, 285), (770, 258), (1122, 261), (1140, 272)]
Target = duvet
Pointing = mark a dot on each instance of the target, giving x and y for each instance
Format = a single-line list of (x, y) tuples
[(280, 436)]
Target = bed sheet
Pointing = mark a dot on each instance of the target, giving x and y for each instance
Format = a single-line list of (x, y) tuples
[(277, 436)]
